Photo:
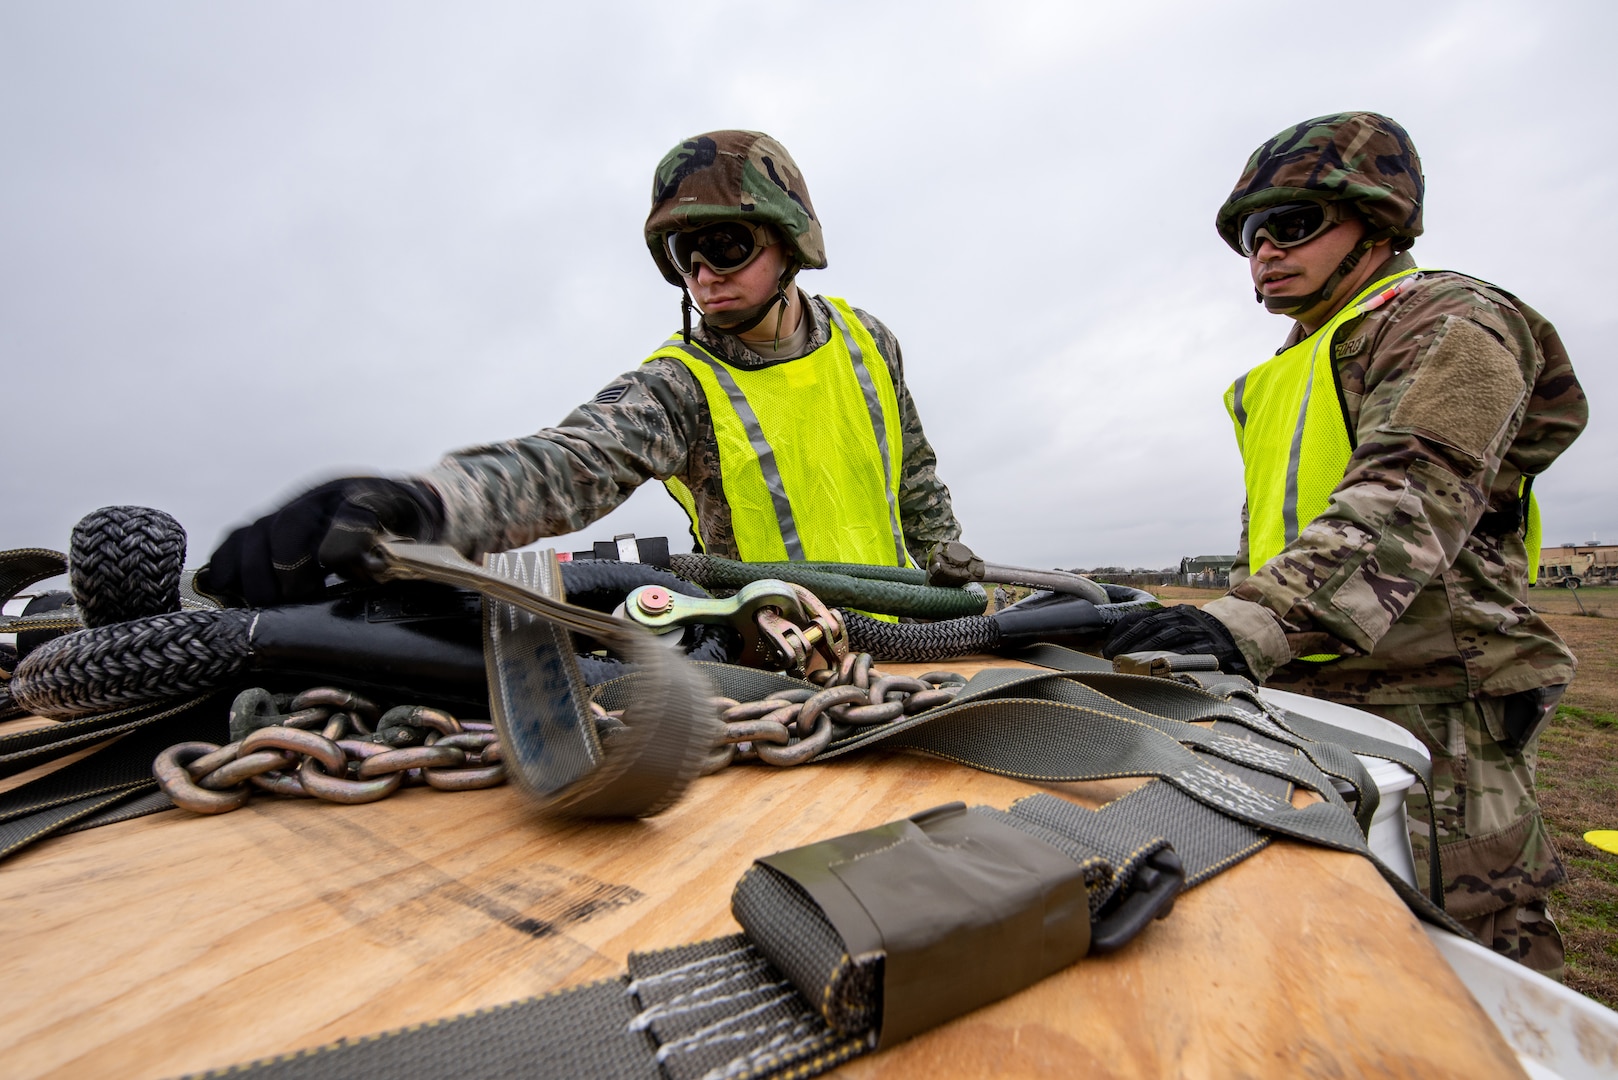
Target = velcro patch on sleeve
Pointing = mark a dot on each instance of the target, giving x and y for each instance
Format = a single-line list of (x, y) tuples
[(1467, 388), (611, 394)]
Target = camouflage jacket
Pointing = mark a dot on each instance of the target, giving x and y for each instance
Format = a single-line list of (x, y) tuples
[(653, 423), (1453, 392)]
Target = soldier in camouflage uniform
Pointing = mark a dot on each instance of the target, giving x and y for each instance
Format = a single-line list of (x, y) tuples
[(1405, 595), (718, 199)]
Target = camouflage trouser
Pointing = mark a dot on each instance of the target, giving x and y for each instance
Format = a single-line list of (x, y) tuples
[(1499, 862)]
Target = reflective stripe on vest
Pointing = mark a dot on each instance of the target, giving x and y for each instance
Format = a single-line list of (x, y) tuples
[(809, 449), (1294, 438)]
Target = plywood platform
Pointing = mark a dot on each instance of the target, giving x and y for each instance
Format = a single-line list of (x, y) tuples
[(176, 943)]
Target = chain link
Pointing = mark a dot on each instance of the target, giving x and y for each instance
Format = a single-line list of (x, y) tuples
[(792, 726), (280, 753)]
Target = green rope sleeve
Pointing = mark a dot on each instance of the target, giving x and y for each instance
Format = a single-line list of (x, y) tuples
[(892, 590)]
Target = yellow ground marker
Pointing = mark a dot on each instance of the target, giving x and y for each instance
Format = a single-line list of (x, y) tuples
[(1605, 839)]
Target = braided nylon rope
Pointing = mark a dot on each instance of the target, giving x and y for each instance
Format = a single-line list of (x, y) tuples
[(124, 562), (148, 659), (921, 643)]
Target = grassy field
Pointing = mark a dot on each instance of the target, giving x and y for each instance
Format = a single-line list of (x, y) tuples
[(1578, 779), (1578, 789), (1600, 601)]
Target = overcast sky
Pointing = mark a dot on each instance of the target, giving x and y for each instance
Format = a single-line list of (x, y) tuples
[(245, 247)]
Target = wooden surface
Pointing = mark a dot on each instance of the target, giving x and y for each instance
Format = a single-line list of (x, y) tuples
[(175, 943)]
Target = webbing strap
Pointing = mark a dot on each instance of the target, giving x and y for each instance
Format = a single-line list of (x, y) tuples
[(24, 749), (1328, 743), (676, 1015), (1065, 735), (112, 784), (138, 802), (21, 567), (62, 817), (1096, 725)]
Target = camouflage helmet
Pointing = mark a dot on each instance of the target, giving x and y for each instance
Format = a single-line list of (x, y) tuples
[(1362, 158), (730, 176)]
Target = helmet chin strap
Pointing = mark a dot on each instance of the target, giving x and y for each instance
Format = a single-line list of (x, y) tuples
[(1287, 305), (748, 319)]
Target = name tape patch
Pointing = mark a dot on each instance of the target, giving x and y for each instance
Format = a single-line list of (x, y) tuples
[(1343, 350)]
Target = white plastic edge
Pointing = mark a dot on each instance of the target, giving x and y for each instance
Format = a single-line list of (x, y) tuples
[(1557, 1033)]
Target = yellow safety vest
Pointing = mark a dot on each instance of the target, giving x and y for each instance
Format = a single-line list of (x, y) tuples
[(809, 450), (1294, 438)]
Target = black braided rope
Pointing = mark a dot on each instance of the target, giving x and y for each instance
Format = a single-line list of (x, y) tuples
[(149, 659), (167, 655), (602, 584), (921, 643), (124, 563)]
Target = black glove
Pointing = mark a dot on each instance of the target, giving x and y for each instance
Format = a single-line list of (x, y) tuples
[(284, 557), (1181, 629)]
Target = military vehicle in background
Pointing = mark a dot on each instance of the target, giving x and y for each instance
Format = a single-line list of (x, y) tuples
[(1571, 566), (1206, 571)]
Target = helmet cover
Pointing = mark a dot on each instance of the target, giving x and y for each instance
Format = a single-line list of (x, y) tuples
[(1362, 158), (732, 176)]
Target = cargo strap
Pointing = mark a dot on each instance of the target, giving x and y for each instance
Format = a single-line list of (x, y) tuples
[(102, 787), (1329, 740), (783, 998), (1075, 723)]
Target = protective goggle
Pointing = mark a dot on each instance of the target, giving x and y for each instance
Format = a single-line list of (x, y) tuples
[(1288, 225), (724, 247)]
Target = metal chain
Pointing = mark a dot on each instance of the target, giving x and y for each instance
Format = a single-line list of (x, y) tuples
[(792, 726), (281, 753)]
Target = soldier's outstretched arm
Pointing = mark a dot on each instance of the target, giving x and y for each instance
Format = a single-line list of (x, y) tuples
[(488, 498), (559, 479), (1445, 392)]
